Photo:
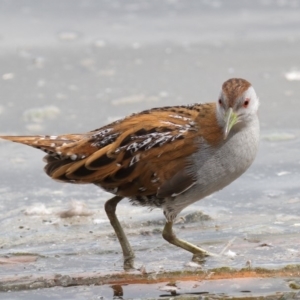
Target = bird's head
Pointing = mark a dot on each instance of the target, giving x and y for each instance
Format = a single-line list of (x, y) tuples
[(237, 104)]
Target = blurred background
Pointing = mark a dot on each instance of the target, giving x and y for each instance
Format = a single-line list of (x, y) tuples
[(74, 65)]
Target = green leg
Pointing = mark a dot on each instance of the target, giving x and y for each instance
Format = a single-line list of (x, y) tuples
[(169, 235), (128, 254)]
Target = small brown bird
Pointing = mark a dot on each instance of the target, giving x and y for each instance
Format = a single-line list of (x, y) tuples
[(167, 157)]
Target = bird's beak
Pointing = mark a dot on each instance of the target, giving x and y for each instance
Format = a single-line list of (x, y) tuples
[(230, 121)]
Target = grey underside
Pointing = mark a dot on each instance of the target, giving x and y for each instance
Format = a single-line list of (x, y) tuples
[(216, 167)]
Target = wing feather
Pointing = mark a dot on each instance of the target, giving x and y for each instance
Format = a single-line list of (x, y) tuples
[(143, 154)]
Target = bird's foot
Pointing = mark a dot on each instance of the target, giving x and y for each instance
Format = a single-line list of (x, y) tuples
[(201, 256), (128, 263)]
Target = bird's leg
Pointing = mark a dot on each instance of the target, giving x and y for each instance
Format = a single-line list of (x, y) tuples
[(169, 235), (128, 254)]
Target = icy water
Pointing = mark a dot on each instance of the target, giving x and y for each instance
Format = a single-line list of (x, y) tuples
[(74, 66)]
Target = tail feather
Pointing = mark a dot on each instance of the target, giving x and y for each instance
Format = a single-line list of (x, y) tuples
[(22, 139), (57, 146), (41, 140)]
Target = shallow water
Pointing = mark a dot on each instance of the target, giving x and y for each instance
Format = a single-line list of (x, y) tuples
[(59, 75), (248, 288)]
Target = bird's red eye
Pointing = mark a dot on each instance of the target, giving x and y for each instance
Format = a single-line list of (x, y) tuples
[(220, 101), (246, 102)]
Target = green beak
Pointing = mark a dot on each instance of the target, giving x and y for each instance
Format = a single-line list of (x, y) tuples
[(230, 121)]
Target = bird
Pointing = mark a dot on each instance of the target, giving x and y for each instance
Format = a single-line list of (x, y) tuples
[(165, 157)]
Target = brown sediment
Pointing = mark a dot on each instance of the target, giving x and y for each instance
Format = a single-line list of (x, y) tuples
[(16, 282)]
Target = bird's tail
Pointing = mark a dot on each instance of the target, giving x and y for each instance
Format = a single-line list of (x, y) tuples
[(50, 144)]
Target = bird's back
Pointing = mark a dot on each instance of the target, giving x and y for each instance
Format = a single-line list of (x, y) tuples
[(134, 157)]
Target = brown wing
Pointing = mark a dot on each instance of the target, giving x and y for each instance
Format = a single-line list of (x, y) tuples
[(143, 154)]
